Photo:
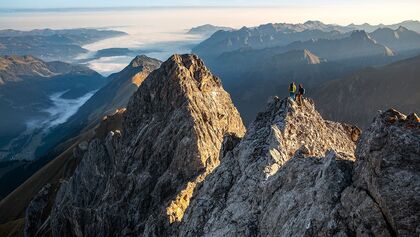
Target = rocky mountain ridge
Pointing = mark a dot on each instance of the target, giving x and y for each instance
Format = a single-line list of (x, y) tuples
[(309, 193), (183, 107), (15, 68), (180, 167), (276, 157), (400, 40)]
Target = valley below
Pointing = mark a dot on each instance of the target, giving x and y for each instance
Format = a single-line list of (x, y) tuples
[(154, 127)]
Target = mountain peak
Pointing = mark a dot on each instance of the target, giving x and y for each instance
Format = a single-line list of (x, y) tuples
[(191, 65), (402, 29), (172, 132), (142, 61), (313, 23), (360, 34)]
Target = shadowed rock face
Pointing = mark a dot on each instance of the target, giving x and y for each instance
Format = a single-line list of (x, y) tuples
[(387, 176), (138, 181)]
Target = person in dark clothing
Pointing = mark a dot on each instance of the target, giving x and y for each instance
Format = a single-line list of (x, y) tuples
[(300, 93)]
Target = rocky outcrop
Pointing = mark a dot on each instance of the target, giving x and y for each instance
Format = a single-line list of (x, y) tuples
[(110, 123), (259, 189), (268, 185), (139, 181), (37, 213), (385, 193)]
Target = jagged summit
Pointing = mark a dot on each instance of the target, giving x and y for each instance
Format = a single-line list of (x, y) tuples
[(144, 175), (175, 84), (142, 61), (281, 132), (303, 123)]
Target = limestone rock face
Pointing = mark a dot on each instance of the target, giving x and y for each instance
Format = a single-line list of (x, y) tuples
[(259, 189), (294, 174), (387, 174), (139, 181)]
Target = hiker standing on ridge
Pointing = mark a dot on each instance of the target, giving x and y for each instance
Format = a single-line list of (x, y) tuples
[(300, 94), (292, 90)]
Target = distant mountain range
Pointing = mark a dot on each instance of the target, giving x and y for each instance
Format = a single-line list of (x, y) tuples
[(250, 75), (207, 29), (357, 97), (268, 35), (410, 24), (35, 95), (49, 45), (283, 34), (399, 40), (257, 62), (358, 44)]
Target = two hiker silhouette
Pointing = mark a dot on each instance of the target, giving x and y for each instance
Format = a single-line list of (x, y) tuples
[(296, 95)]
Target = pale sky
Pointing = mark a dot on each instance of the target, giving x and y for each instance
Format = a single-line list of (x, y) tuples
[(124, 3), (329, 11)]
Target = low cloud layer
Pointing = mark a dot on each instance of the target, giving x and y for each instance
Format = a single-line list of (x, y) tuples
[(61, 110)]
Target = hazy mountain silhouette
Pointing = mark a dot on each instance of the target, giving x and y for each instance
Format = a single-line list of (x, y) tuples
[(263, 36), (251, 75), (356, 98), (207, 30), (358, 44), (47, 44), (401, 39), (412, 25)]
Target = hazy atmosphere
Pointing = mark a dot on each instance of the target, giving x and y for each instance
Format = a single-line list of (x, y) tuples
[(209, 118), (160, 31)]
